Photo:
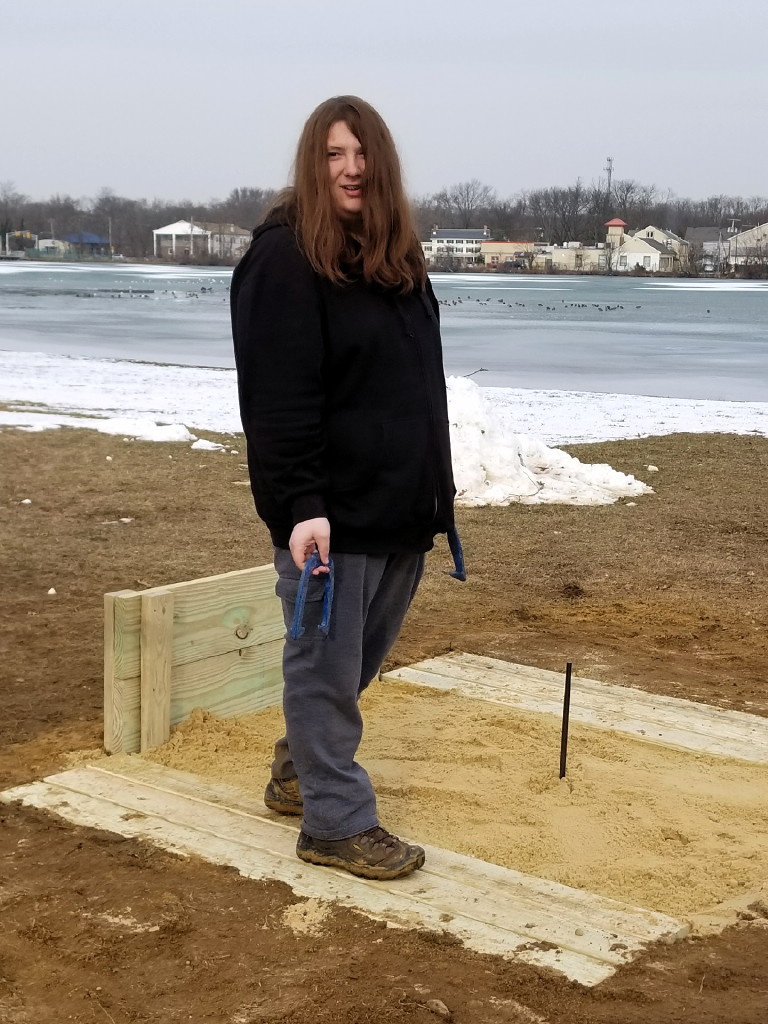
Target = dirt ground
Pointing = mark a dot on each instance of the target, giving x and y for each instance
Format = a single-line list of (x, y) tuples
[(669, 594)]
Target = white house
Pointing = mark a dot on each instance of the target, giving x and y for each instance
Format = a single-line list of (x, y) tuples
[(52, 247), (647, 253), (182, 238), (667, 238), (651, 248), (455, 244), (750, 246)]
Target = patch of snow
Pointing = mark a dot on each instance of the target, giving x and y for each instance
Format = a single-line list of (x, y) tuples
[(207, 446)]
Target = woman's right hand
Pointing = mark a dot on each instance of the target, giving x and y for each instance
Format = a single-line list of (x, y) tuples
[(311, 535)]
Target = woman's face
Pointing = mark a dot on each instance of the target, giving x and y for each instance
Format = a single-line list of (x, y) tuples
[(346, 163)]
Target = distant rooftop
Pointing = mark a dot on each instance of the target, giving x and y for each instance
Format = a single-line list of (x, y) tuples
[(218, 228), (180, 227), (85, 238), (659, 246), (707, 234), (460, 234)]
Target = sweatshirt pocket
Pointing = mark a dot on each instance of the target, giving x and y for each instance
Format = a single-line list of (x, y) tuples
[(287, 589), (396, 490)]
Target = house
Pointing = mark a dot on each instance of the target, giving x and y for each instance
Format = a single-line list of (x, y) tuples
[(748, 247), (500, 254), (571, 257), (52, 247), (227, 241), (668, 239), (642, 252), (708, 246), (182, 238), (455, 245), (87, 243), (651, 248)]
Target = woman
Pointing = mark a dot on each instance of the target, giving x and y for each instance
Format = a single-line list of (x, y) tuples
[(343, 403)]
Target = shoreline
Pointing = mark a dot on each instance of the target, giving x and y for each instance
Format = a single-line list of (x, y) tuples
[(477, 269)]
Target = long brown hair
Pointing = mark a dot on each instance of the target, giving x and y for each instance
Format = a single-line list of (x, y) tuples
[(381, 245)]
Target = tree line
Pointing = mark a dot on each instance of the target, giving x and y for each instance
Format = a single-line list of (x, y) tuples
[(556, 214)]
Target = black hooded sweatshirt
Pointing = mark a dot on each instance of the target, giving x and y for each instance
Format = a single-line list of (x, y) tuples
[(343, 402)]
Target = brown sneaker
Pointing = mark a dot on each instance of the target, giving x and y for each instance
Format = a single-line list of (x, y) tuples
[(374, 853), (284, 796)]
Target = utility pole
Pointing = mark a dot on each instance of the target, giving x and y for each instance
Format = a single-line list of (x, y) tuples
[(109, 222), (733, 242), (609, 171)]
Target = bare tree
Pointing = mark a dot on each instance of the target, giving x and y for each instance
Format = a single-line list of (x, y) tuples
[(624, 194), (506, 219), (11, 208), (244, 206), (541, 209), (569, 207), (462, 202), (596, 212)]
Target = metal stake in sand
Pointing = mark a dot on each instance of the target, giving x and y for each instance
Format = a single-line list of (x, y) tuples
[(566, 717)]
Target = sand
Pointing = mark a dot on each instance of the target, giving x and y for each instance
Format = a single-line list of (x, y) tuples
[(306, 918), (644, 824)]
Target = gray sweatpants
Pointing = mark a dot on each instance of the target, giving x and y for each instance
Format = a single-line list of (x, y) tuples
[(324, 676)]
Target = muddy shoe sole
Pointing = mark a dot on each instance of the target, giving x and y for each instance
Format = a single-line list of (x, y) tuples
[(375, 872)]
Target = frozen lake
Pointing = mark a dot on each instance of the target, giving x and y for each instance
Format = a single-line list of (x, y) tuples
[(621, 335)]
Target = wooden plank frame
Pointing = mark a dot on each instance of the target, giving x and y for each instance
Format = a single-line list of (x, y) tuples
[(488, 908), (214, 643), (652, 718)]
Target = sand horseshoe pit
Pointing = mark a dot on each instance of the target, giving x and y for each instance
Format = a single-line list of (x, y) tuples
[(660, 825)]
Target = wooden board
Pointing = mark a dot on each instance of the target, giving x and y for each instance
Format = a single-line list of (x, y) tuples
[(491, 909), (230, 684), (225, 651), (669, 721), (156, 651), (212, 615)]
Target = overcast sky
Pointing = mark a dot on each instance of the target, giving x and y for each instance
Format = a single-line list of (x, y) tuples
[(187, 99)]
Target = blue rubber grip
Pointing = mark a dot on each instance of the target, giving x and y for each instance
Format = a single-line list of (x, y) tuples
[(297, 626), (459, 572)]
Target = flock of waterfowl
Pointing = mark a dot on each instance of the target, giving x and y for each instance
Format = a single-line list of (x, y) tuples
[(602, 308), (145, 293)]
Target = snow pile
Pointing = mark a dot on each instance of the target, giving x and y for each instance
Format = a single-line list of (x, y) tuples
[(493, 465)]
